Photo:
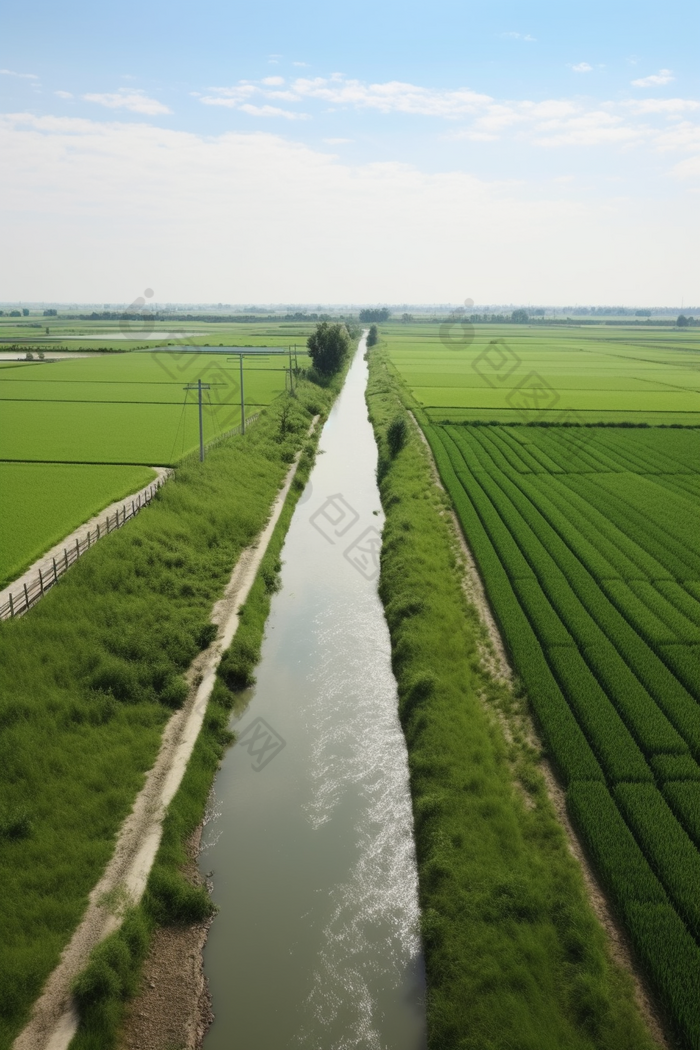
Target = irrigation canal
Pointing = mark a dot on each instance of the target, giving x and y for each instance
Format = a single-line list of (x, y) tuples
[(311, 846)]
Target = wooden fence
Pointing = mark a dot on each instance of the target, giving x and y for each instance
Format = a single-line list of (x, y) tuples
[(30, 593)]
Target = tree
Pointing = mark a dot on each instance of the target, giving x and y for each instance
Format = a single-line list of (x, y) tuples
[(520, 317), (373, 337), (25, 312), (367, 316), (682, 321), (328, 347)]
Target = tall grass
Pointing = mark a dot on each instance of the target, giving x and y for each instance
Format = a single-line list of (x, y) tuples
[(87, 681), (112, 974), (514, 954)]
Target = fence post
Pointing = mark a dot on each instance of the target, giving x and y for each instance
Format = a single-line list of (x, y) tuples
[(55, 572), (41, 583), (26, 596), (65, 557), (77, 547), (133, 512), (98, 530), (12, 608)]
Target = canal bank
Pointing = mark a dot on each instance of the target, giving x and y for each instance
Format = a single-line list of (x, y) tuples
[(309, 851)]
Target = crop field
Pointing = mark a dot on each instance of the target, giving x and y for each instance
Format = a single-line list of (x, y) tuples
[(589, 547), (76, 434), (130, 408), (522, 374), (51, 333), (43, 502)]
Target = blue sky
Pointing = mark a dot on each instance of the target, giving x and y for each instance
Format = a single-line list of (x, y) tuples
[(507, 152)]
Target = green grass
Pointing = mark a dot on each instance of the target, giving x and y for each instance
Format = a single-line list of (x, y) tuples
[(112, 974), (89, 677), (514, 954), (129, 408), (42, 503), (587, 542), (587, 375)]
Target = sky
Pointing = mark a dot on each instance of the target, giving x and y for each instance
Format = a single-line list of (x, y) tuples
[(309, 153)]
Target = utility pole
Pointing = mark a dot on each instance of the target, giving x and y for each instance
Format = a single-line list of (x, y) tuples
[(240, 359), (199, 386)]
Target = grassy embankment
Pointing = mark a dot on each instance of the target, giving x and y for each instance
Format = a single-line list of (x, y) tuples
[(88, 680), (514, 953)]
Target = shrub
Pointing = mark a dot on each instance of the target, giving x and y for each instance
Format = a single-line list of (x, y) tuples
[(396, 435)]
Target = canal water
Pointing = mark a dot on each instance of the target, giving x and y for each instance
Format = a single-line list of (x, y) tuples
[(316, 942)]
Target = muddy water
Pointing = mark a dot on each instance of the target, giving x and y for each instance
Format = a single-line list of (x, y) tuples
[(310, 844)]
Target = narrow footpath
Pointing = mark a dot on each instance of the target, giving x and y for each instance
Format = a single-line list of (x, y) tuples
[(54, 1021)]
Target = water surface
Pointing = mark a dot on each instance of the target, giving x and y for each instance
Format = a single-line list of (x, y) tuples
[(312, 852)]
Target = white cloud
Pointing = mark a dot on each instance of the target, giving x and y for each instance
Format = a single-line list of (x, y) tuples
[(521, 36), (595, 128), (171, 203), (663, 105), (337, 142), (582, 67), (664, 76), (64, 94), (302, 64), (127, 98), (22, 76), (480, 118), (681, 136), (272, 111), (688, 169)]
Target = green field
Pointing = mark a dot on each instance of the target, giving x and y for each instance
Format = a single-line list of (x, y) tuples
[(129, 408), (522, 374), (125, 412), (78, 434), (117, 336), (588, 542), (40, 503)]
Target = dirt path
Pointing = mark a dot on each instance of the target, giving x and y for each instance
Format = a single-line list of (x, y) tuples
[(45, 562), (54, 1021), (496, 663)]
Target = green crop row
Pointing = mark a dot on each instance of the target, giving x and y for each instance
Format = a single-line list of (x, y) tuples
[(583, 596), (666, 845), (570, 750), (669, 952), (681, 598), (626, 556), (652, 729), (683, 796)]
